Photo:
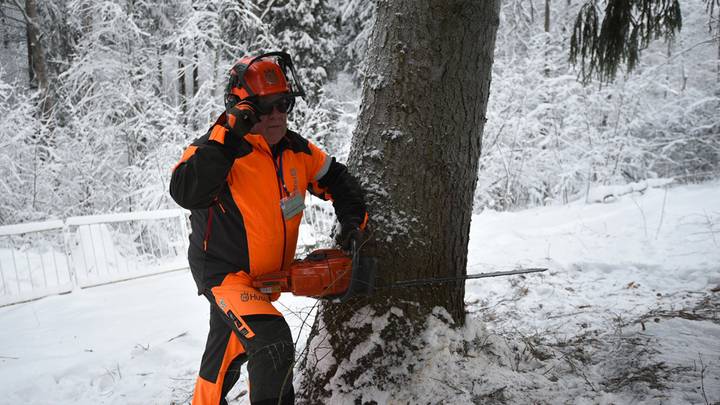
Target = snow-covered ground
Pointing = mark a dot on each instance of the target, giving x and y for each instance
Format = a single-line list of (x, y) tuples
[(627, 313)]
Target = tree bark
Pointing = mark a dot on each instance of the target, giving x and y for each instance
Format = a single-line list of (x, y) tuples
[(416, 151), (182, 89), (36, 58), (547, 37), (196, 87), (159, 84), (38, 71), (30, 50), (547, 16), (196, 74), (34, 47)]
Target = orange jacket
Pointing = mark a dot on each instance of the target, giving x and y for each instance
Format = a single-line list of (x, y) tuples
[(235, 199)]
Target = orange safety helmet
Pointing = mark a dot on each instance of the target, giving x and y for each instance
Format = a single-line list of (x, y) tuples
[(262, 75)]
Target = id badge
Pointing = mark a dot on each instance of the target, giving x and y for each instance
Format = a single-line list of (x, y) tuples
[(292, 205)]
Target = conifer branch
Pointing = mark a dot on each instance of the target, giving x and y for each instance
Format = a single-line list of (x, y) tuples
[(627, 27)]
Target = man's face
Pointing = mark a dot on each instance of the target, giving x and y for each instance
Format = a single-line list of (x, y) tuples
[(272, 125)]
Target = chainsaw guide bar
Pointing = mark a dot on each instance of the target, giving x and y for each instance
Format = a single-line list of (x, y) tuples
[(334, 274)]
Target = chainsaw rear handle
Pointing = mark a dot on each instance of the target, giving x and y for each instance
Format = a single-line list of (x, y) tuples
[(362, 282)]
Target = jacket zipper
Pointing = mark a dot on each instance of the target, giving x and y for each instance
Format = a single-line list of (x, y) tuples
[(282, 216), (208, 227)]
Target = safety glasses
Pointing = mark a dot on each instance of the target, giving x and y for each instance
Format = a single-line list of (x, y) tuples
[(283, 104)]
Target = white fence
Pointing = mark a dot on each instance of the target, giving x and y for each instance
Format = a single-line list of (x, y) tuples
[(33, 262), (54, 257)]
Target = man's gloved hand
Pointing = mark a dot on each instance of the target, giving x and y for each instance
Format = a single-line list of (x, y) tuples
[(349, 231), (240, 119)]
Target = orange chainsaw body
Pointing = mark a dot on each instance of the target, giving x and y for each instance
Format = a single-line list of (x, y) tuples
[(324, 272)]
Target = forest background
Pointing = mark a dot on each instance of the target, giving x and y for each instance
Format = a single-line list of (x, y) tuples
[(129, 83)]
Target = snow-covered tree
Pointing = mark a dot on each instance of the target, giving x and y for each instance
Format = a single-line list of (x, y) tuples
[(306, 29), (416, 150), (549, 138)]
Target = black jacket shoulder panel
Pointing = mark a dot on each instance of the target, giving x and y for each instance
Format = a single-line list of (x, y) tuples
[(296, 143), (348, 196), (196, 182), (203, 140)]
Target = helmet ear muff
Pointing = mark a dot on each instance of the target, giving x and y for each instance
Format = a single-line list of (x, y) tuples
[(234, 81), (231, 101)]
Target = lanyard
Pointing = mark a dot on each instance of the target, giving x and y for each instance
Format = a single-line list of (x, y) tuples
[(279, 172)]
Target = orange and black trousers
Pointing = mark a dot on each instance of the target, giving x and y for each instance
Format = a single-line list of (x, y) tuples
[(263, 341)]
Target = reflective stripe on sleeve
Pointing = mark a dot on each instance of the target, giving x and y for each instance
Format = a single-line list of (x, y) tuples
[(324, 169)]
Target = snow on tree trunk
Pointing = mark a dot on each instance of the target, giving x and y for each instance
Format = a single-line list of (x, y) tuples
[(416, 151)]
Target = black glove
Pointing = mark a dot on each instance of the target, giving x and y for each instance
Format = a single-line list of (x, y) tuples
[(349, 232), (240, 119)]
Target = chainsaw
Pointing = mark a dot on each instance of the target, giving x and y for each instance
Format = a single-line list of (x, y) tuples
[(324, 273), (335, 274)]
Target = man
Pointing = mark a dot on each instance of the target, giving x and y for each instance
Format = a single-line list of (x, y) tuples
[(245, 183)]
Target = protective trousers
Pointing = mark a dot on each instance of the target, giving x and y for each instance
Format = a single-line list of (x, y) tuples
[(244, 326)]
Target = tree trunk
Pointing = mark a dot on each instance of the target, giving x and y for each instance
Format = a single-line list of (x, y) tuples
[(416, 151), (36, 57), (30, 50), (34, 47), (159, 86), (547, 16), (181, 83), (547, 37), (43, 139), (196, 75)]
